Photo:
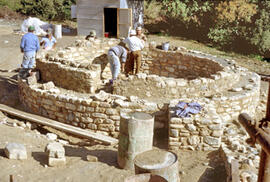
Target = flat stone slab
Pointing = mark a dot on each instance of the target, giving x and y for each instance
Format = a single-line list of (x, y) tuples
[(53, 162), (91, 158), (15, 151), (55, 150)]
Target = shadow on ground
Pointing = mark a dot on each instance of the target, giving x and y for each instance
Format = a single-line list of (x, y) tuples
[(41, 157), (9, 90), (106, 156), (216, 171)]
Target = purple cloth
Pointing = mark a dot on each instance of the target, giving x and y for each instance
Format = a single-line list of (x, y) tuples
[(191, 108)]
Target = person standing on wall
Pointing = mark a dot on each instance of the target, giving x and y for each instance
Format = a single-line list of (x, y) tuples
[(135, 45), (114, 55), (29, 47)]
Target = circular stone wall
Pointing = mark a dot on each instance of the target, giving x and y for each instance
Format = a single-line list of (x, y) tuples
[(80, 75)]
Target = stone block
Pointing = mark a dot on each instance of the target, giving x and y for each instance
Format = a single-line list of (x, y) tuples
[(53, 162), (92, 126), (51, 136), (217, 133), (31, 80), (115, 117), (55, 150), (174, 133), (91, 158), (100, 110), (191, 127), (110, 111), (15, 151), (212, 140), (215, 127), (176, 120), (48, 86), (71, 106)]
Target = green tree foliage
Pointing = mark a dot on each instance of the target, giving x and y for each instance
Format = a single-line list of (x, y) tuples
[(47, 9), (234, 24), (261, 33), (12, 4)]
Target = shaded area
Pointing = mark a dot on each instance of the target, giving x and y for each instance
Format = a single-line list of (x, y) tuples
[(216, 169), (110, 17), (104, 155), (9, 90), (2, 153), (41, 157)]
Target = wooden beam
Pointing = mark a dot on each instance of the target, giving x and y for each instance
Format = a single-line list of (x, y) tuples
[(57, 125), (255, 133)]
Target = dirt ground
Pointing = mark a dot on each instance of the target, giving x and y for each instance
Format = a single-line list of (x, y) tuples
[(194, 166)]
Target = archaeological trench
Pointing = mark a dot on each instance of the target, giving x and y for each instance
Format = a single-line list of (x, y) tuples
[(73, 89)]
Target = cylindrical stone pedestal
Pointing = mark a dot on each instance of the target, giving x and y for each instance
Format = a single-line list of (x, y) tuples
[(158, 162), (145, 178), (136, 136)]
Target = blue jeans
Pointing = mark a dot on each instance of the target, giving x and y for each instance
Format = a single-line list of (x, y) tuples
[(114, 64), (29, 59)]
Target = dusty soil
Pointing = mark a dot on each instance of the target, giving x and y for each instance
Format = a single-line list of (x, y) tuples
[(194, 166)]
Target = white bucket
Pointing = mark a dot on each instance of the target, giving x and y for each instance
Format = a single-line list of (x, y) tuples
[(165, 46), (57, 31)]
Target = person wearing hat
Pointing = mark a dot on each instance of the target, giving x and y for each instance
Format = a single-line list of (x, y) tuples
[(29, 47), (140, 34), (48, 42), (92, 34), (135, 45)]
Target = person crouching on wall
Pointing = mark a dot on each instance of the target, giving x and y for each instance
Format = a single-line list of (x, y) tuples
[(117, 57)]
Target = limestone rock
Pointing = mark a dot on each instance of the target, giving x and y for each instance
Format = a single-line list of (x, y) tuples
[(15, 151), (53, 162), (48, 86), (191, 127), (91, 158), (51, 136), (55, 150), (101, 96), (236, 89), (212, 140)]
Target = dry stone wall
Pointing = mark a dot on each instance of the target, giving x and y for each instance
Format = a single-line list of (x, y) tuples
[(99, 112), (203, 131), (79, 68), (176, 64), (79, 73)]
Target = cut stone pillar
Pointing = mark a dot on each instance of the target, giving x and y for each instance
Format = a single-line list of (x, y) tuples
[(158, 162), (15, 151), (136, 136), (56, 154)]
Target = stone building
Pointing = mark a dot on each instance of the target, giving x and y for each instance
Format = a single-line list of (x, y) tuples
[(111, 16)]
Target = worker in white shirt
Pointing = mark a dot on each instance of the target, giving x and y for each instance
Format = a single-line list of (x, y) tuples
[(135, 45), (140, 34)]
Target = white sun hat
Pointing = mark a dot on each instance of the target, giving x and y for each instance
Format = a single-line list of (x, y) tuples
[(139, 28), (132, 32)]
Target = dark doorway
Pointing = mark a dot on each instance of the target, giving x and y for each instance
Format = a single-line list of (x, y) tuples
[(110, 18)]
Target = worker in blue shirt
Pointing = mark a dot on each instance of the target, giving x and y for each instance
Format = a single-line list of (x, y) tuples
[(29, 46)]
